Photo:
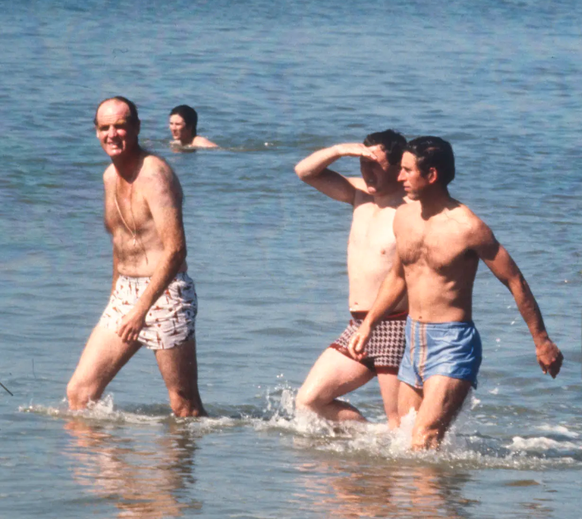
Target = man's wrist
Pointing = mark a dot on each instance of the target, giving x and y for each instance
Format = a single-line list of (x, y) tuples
[(541, 338), (337, 151)]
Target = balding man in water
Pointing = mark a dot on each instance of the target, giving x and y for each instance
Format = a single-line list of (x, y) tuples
[(153, 301), (439, 243)]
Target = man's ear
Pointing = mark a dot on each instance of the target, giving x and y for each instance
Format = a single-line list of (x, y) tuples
[(432, 176)]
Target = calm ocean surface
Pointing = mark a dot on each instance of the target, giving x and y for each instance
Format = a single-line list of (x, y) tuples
[(272, 82)]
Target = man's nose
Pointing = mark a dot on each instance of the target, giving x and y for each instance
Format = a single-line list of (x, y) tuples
[(401, 176), (112, 131)]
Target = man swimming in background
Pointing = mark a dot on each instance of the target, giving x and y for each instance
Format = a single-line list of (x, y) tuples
[(371, 246), (183, 124), (439, 242), (153, 301)]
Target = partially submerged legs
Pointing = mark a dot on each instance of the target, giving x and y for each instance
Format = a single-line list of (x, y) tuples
[(105, 354), (437, 405), (389, 387), (179, 369), (332, 376)]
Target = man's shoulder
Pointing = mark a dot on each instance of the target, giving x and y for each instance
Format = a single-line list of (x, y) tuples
[(465, 216), (155, 168), (109, 174), (408, 207), (475, 229)]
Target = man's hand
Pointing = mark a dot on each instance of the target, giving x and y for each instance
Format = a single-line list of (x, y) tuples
[(131, 325), (358, 342), (549, 357)]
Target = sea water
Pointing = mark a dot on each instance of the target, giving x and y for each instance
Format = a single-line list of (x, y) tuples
[(272, 82)]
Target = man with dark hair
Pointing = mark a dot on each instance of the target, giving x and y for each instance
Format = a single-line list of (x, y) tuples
[(153, 300), (183, 125), (375, 197), (439, 243)]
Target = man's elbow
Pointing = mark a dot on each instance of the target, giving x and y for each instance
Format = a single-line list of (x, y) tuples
[(302, 172), (299, 172), (516, 283), (179, 254)]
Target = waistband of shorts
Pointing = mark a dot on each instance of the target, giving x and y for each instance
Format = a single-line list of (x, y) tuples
[(446, 325), (182, 276), (397, 316)]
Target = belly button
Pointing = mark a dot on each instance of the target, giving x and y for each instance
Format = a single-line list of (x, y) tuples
[(383, 251)]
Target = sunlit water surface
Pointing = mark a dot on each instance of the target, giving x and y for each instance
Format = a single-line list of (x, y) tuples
[(272, 82)]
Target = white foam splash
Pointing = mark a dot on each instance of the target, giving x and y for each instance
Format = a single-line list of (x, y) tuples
[(542, 444)]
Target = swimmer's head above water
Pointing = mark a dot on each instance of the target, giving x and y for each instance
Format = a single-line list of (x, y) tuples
[(183, 123)]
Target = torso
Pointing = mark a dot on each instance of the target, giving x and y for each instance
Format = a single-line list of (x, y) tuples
[(439, 265), (137, 247), (371, 249)]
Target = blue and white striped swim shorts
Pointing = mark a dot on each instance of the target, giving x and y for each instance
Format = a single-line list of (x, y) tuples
[(450, 349)]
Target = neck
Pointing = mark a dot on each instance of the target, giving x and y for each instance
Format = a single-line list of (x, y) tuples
[(434, 200), (188, 139), (391, 196), (127, 167)]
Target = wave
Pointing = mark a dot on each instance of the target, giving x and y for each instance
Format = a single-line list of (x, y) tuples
[(555, 446)]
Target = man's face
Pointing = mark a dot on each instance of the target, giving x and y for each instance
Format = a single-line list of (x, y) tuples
[(178, 128), (376, 173), (410, 175), (115, 130)]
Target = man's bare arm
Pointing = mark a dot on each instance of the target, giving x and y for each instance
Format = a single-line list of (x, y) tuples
[(164, 197), (506, 270), (391, 292), (313, 170)]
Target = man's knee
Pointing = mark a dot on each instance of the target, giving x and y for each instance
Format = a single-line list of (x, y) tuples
[(307, 399)]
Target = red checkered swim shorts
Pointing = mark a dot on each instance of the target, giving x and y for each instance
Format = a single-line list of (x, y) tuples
[(385, 347)]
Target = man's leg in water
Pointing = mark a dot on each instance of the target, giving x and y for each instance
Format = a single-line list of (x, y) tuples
[(104, 355), (408, 398), (389, 385), (332, 376), (179, 370), (443, 399)]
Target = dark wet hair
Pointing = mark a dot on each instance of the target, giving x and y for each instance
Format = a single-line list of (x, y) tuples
[(434, 152), (189, 115), (133, 117), (392, 142)]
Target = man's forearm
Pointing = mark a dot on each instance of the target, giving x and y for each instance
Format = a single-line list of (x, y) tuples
[(317, 162), (390, 294), (165, 272), (528, 307)]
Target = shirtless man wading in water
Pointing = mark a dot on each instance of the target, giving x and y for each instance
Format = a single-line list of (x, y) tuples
[(371, 247), (153, 301), (439, 243)]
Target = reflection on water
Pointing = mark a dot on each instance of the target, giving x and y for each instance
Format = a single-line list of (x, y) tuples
[(140, 480), (354, 488)]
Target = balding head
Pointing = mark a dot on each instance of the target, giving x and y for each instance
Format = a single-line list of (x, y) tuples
[(133, 118)]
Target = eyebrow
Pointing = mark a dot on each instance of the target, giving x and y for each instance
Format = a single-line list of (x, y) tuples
[(118, 122)]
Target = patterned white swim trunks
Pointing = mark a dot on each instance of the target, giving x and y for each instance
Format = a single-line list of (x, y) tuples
[(171, 319), (385, 347)]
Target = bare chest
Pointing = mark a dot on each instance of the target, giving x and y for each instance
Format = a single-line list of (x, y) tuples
[(126, 211), (372, 231), (437, 245)]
